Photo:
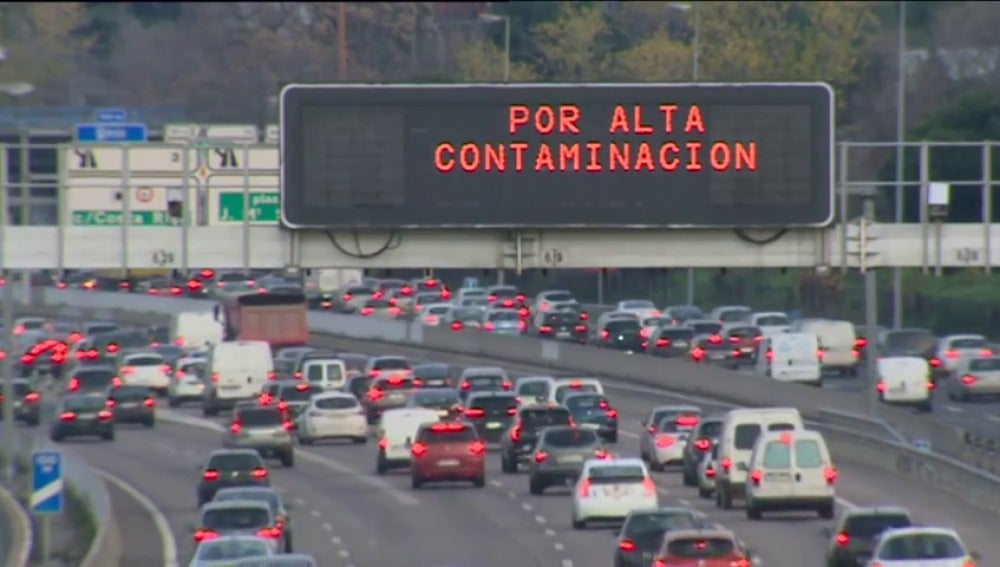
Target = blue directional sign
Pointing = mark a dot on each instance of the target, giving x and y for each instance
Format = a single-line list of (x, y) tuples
[(46, 483), (111, 133), (111, 115)]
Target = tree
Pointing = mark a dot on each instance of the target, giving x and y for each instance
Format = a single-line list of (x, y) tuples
[(574, 46)]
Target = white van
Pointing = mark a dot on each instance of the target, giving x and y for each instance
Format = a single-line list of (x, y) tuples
[(737, 437), (790, 470), (790, 357), (838, 342), (192, 330), (397, 430), (566, 386), (237, 370), (329, 373), (905, 380)]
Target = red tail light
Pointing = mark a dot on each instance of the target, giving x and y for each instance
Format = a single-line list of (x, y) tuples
[(649, 486), (374, 394), (687, 421), (545, 329), (366, 311), (703, 444), (741, 562), (74, 337), (205, 535), (521, 298), (515, 433), (710, 471), (830, 474), (842, 539), (581, 328), (756, 476), (179, 341), (19, 330), (432, 320), (735, 340), (820, 355), (935, 362), (32, 397), (715, 339), (149, 402), (194, 285), (111, 348), (522, 326), (395, 311), (602, 454), (346, 297), (860, 342), (261, 290), (644, 333), (259, 473), (612, 413), (659, 563), (67, 416), (986, 352), (418, 449), (110, 403), (27, 359), (697, 353), (282, 406), (474, 413), (880, 387), (210, 475), (104, 415), (477, 447), (383, 443), (651, 429), (953, 354), (74, 384), (216, 377), (466, 385), (489, 326), (726, 463), (505, 385), (445, 293), (235, 427), (605, 335), (456, 325), (584, 316), (270, 533), (968, 380), (512, 411), (406, 290), (584, 488), (626, 545), (665, 441), (207, 274), (288, 425), (662, 343), (127, 370)]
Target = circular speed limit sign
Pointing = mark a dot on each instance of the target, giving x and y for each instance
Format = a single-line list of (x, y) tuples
[(144, 194)]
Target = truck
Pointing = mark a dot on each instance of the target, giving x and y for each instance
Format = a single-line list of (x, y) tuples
[(277, 318)]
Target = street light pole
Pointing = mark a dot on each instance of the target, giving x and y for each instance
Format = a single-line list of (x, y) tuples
[(897, 273), (695, 42)]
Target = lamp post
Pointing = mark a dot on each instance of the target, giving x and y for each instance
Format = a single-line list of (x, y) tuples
[(695, 53), (897, 274), (497, 18), (16, 91)]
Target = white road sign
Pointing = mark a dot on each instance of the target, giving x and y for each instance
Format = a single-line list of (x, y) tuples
[(96, 201), (231, 158), (101, 161)]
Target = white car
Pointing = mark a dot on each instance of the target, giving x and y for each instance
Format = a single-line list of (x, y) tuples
[(146, 369), (189, 381), (534, 389), (229, 550), (641, 308), (333, 415), (921, 547), (552, 300), (706, 472), (670, 440), (433, 313), (953, 349), (771, 322), (608, 489)]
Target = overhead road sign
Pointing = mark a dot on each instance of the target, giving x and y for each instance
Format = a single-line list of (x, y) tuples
[(111, 115), (46, 483), (557, 156), (111, 133)]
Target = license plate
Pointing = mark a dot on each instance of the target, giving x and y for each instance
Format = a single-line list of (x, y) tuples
[(231, 387), (442, 413), (680, 344), (592, 426), (746, 350), (398, 397), (494, 425), (563, 335), (717, 355), (448, 463), (570, 459), (779, 477)]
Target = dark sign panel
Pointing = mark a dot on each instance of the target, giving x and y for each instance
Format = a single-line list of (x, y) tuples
[(708, 155)]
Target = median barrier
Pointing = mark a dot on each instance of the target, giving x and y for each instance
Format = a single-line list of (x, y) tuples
[(15, 544), (825, 409)]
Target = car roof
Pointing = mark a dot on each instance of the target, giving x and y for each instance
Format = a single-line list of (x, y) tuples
[(876, 510), (234, 504), (248, 488), (680, 408), (534, 379), (105, 367), (616, 461), (916, 530), (332, 395), (503, 394), (567, 381), (700, 532), (439, 391)]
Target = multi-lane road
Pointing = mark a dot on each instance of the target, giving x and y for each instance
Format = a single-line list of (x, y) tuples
[(347, 515)]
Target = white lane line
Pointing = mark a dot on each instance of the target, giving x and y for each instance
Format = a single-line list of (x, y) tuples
[(336, 540), (495, 484), (327, 527), (683, 502), (315, 513), (159, 520), (343, 553), (550, 532), (558, 547), (540, 519), (993, 417), (511, 494), (379, 484), (954, 409), (527, 507), (299, 502)]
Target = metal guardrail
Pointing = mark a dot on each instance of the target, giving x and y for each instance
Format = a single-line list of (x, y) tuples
[(15, 544)]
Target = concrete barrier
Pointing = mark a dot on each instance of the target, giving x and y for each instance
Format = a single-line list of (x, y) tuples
[(17, 541), (825, 409)]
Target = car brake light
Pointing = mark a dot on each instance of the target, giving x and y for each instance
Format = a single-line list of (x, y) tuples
[(205, 535), (383, 443), (665, 441), (662, 343), (74, 384), (406, 290), (605, 335), (282, 405), (522, 326), (830, 474), (505, 385), (456, 326), (149, 402), (104, 415), (880, 387), (741, 562), (644, 333), (541, 456), (74, 337), (659, 563), (235, 428), (935, 362), (726, 463), (584, 488), (697, 353), (366, 311), (734, 339), (216, 377), (127, 370), (165, 368), (703, 444), (194, 285), (474, 412), (418, 449), (860, 342), (581, 328), (346, 297), (602, 454), (967, 380), (952, 354), (210, 475), (715, 339), (611, 413), (432, 320), (259, 473), (986, 352), (651, 429), (111, 348), (374, 394), (207, 274), (756, 476), (842, 539), (489, 326), (466, 385), (687, 421), (477, 447), (626, 545), (515, 433), (512, 411), (110, 403), (820, 355), (288, 425), (649, 486), (545, 329), (32, 397), (270, 533), (67, 416)]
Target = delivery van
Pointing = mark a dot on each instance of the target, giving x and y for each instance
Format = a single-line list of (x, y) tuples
[(237, 370)]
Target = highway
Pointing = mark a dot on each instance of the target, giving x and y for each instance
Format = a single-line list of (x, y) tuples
[(342, 511)]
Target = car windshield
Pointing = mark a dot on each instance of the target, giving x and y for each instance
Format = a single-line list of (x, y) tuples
[(261, 416), (916, 340), (659, 522), (535, 418), (569, 438), (236, 518), (746, 435), (226, 549), (127, 393), (701, 548), (145, 360), (83, 403), (559, 296), (772, 320), (984, 364), (336, 403), (235, 462), (870, 525), (921, 547), (969, 342), (622, 326)]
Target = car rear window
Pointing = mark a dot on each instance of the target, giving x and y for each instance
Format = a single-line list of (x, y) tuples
[(297, 393), (559, 296), (623, 326), (336, 403), (232, 549), (485, 382), (262, 416), (676, 334), (968, 343), (94, 377), (746, 435), (468, 314), (236, 518), (917, 340), (611, 474), (83, 403), (458, 434), (544, 417), (268, 497), (235, 462), (984, 364), (101, 328), (314, 372), (700, 548), (568, 438), (145, 361), (431, 371), (504, 292), (657, 523), (745, 332), (871, 525), (576, 403), (391, 364), (924, 547), (534, 388), (504, 316), (807, 454), (777, 456), (706, 328), (772, 320), (733, 315), (560, 318), (131, 393), (492, 403)]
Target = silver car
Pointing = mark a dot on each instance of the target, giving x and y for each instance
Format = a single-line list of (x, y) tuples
[(239, 518), (975, 378), (265, 429), (228, 550), (559, 456), (706, 471)]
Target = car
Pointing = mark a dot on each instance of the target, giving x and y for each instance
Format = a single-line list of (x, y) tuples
[(321, 369), (975, 378), (770, 322), (853, 539), (503, 322), (491, 413), (910, 341), (953, 349), (731, 313), (790, 470), (641, 308), (132, 404), (445, 401), (27, 402), (922, 546), (483, 379), (559, 325), (282, 560), (518, 442), (434, 314), (289, 396), (739, 433), (567, 386), (387, 393), (711, 349), (707, 470), (188, 384), (397, 430), (450, 451), (642, 533), (679, 314), (534, 389), (905, 381), (461, 317), (333, 415), (269, 496), (239, 517), (553, 299), (223, 551), (624, 334), (559, 455), (435, 375), (707, 546), (284, 360), (231, 467), (703, 326), (669, 441), (505, 297), (609, 489), (594, 411), (702, 439), (379, 366), (266, 430), (743, 340), (82, 415), (650, 425), (92, 379), (147, 369), (838, 342)]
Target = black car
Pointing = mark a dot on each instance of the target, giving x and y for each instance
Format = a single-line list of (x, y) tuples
[(82, 415), (622, 334), (491, 413), (699, 443), (358, 386), (561, 325), (92, 379), (132, 404), (670, 342), (27, 402), (559, 456), (853, 540), (292, 397), (231, 467), (594, 411), (642, 533), (435, 375), (519, 440)]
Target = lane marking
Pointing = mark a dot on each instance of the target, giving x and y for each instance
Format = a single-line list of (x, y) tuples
[(993, 418), (550, 532), (495, 484), (559, 547), (327, 527), (315, 513), (336, 540), (954, 409), (343, 553), (159, 520), (684, 502), (527, 507), (510, 494), (628, 434), (540, 519)]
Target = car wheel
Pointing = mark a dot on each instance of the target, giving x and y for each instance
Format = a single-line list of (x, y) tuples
[(689, 478), (380, 465), (360, 440), (725, 498), (288, 459), (613, 437), (173, 402), (305, 439), (704, 492), (32, 422), (579, 524), (508, 466), (479, 482), (149, 423), (753, 513), (535, 485), (416, 483), (110, 436), (209, 411)]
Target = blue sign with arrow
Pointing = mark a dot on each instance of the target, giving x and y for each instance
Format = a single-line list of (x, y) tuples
[(46, 483), (111, 133)]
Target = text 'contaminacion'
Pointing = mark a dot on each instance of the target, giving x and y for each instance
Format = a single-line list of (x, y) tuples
[(599, 156)]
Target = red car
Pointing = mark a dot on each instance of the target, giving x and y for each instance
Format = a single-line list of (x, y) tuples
[(446, 452), (712, 547)]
